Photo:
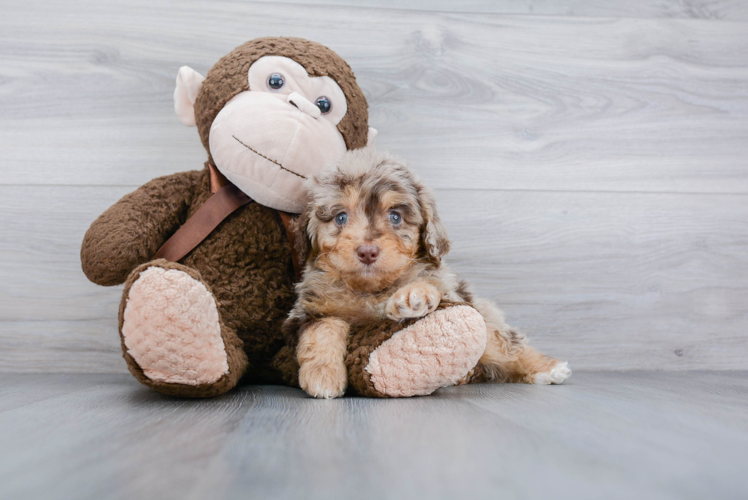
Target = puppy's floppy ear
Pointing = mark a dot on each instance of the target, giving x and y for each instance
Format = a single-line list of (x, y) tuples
[(433, 233)]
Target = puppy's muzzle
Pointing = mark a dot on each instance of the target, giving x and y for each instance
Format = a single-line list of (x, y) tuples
[(367, 254)]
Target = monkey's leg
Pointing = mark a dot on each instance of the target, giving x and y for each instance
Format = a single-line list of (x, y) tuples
[(172, 335), (415, 357), (508, 358)]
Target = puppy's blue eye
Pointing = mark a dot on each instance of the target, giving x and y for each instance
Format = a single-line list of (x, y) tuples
[(341, 218), (396, 218), (276, 81), (324, 104)]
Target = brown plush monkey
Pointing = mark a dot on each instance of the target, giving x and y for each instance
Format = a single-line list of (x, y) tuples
[(271, 113)]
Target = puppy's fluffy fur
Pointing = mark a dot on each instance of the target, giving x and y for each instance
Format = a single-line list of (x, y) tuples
[(375, 244)]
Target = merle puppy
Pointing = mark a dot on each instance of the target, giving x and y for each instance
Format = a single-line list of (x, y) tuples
[(375, 244)]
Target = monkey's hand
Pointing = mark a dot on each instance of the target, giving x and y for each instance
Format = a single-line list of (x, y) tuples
[(414, 300), (132, 230)]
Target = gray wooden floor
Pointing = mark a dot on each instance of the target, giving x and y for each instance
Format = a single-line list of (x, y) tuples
[(674, 435)]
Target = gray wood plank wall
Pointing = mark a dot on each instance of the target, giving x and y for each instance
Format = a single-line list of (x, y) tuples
[(590, 158)]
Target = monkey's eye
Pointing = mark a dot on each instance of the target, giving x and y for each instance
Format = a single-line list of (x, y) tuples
[(324, 104), (395, 217), (341, 218), (276, 81)]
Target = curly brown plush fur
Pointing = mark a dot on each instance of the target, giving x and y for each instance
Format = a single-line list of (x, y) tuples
[(246, 261), (229, 77)]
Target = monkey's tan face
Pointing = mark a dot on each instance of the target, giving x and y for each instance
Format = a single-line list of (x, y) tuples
[(270, 139), (368, 237)]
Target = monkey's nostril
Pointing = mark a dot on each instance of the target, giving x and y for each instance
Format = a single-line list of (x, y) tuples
[(367, 254), (293, 104), (303, 104)]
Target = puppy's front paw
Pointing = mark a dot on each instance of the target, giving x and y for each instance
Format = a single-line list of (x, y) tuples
[(413, 301), (555, 375), (323, 381)]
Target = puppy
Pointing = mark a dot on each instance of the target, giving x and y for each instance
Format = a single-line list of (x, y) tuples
[(375, 246)]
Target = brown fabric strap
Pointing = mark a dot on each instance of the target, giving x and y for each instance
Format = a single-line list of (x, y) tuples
[(226, 199), (219, 206), (217, 179), (295, 257)]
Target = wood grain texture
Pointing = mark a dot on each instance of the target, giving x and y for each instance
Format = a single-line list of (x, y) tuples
[(680, 435), (475, 100), (605, 280), (22, 389), (728, 10)]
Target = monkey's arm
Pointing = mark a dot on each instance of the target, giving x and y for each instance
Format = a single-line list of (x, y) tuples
[(132, 230)]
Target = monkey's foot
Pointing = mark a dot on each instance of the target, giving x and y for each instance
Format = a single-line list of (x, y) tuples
[(436, 351), (171, 329)]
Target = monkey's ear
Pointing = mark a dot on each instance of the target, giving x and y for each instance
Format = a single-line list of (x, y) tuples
[(189, 82), (433, 235), (371, 137)]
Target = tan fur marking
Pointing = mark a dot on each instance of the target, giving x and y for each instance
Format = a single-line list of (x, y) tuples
[(336, 246), (321, 355)]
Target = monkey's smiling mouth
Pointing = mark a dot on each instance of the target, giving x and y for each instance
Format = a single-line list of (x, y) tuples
[(268, 159)]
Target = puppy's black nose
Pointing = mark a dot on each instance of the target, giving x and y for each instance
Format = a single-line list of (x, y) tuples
[(367, 253)]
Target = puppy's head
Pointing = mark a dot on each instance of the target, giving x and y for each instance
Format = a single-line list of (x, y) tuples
[(370, 220)]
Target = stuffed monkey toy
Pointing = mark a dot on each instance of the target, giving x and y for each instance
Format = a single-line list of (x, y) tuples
[(205, 255)]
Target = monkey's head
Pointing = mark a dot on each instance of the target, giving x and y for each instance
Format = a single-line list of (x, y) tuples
[(273, 113)]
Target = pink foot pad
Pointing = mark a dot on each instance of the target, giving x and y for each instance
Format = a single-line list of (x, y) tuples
[(172, 330), (435, 352)]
